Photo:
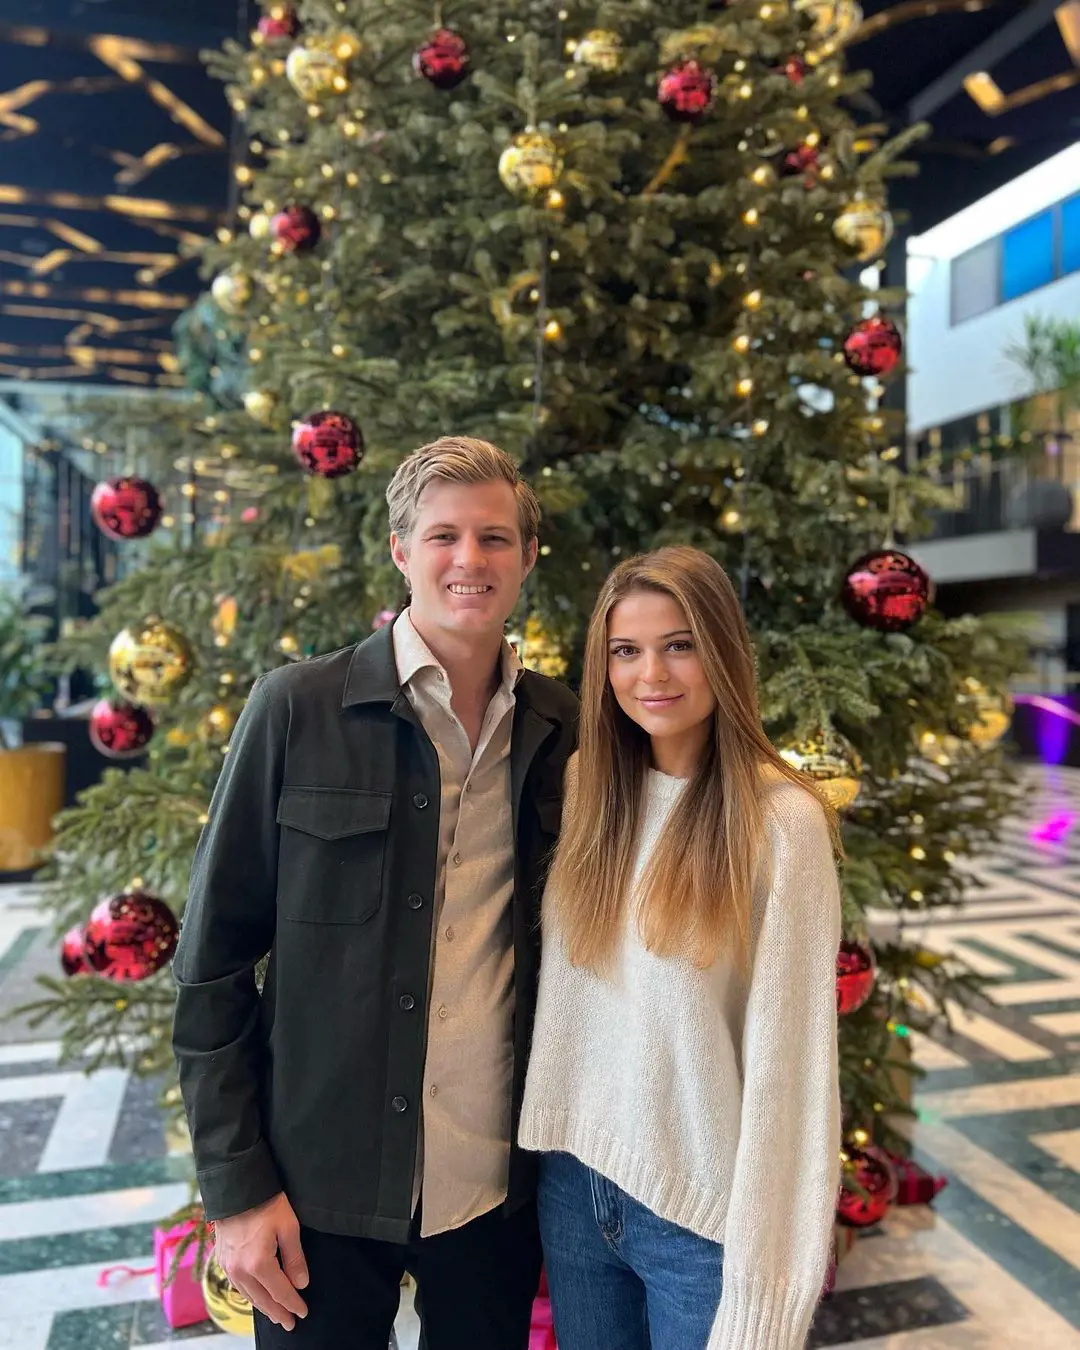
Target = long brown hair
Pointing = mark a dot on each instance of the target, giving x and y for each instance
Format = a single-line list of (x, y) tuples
[(695, 895)]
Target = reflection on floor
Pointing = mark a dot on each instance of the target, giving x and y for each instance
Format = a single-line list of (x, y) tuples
[(994, 1265)]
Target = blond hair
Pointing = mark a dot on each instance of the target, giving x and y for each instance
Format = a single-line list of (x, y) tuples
[(458, 459), (695, 896)]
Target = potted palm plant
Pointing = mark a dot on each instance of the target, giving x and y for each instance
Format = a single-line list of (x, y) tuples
[(31, 776)]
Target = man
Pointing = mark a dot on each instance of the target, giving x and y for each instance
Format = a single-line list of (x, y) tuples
[(381, 830)]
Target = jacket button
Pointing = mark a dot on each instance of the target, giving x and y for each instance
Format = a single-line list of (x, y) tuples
[(420, 801), (406, 1003), (415, 901), (400, 1104)]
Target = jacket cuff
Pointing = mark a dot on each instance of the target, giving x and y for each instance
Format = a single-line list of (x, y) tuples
[(239, 1184)]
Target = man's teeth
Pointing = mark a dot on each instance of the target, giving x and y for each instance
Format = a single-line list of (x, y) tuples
[(469, 590)]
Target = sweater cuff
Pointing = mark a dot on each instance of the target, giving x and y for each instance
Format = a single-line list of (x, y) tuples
[(761, 1315), (239, 1184)]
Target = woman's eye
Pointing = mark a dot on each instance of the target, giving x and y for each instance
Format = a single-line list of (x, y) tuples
[(622, 651), (682, 645)]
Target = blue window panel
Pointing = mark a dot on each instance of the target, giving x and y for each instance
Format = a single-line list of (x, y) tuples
[(1070, 235), (1027, 256)]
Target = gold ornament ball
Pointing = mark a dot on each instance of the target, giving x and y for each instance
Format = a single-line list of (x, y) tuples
[(865, 228), (315, 70), (231, 290), (531, 163), (229, 1310), (834, 20), (994, 719), (215, 726), (260, 404), (834, 771), (150, 662), (259, 225), (600, 49)]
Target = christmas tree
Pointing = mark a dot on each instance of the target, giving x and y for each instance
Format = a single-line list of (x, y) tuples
[(627, 242)]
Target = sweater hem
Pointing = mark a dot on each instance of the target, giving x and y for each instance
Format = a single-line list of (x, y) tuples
[(679, 1199)]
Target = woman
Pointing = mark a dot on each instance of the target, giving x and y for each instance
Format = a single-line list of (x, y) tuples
[(683, 1081)]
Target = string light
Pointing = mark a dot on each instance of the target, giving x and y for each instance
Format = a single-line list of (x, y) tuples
[(243, 173), (859, 1137), (553, 330), (731, 518), (328, 212), (168, 521), (338, 349), (746, 90), (751, 216), (812, 138), (225, 236), (766, 12), (802, 112), (745, 387), (555, 199), (327, 171), (762, 175), (187, 489), (352, 178), (760, 427), (918, 853), (752, 299)]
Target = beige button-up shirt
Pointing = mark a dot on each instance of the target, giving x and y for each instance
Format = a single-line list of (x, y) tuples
[(463, 1156)]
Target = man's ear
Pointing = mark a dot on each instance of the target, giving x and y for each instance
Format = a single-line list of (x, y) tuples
[(399, 554), (530, 554)]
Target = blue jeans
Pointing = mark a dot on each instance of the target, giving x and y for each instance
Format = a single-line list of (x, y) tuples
[(621, 1278)]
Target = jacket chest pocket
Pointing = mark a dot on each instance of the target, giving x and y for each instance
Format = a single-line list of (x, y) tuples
[(332, 853)]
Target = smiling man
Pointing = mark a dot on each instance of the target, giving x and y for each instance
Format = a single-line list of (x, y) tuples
[(380, 831)]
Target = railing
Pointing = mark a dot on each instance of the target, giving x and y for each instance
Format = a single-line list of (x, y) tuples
[(1007, 494)]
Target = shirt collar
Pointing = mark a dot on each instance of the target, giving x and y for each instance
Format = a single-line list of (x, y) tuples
[(412, 655)]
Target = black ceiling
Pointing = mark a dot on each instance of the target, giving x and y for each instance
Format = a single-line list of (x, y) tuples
[(122, 151)]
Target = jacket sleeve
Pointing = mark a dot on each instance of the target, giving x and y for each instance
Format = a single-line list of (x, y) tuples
[(783, 1201), (228, 926)]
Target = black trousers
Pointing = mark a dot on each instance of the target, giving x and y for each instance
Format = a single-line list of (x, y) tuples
[(475, 1288)]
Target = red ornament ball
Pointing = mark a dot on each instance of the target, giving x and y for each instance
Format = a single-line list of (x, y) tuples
[(873, 346), (130, 936), (295, 230), (443, 60), (870, 1170), (119, 730), (279, 23), (803, 159), (886, 590), (71, 951), (328, 443), (686, 92), (795, 69), (855, 974), (126, 508)]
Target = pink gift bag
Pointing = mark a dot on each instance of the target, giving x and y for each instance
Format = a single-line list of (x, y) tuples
[(182, 1298)]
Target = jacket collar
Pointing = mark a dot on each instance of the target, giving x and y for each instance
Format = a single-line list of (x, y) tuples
[(372, 677)]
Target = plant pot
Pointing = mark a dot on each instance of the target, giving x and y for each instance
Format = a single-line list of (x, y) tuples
[(31, 793)]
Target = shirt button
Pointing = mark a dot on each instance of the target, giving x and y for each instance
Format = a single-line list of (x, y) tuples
[(450, 933), (415, 901), (468, 787), (457, 859), (400, 1104), (443, 1014), (433, 1090), (419, 801), (406, 1003)]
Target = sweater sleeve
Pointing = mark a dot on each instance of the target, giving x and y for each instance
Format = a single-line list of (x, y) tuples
[(780, 1217)]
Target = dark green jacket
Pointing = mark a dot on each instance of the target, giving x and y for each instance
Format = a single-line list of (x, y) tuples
[(321, 851)]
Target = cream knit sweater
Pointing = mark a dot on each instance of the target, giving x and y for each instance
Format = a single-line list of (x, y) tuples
[(710, 1097)]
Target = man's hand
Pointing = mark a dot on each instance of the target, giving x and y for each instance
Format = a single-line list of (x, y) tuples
[(248, 1246)]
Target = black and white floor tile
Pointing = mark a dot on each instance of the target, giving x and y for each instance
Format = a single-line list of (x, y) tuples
[(994, 1264)]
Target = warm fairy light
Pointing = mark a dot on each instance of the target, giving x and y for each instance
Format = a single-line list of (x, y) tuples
[(812, 138), (751, 216), (288, 644), (227, 451), (917, 896), (168, 521), (187, 489), (826, 172), (731, 518), (745, 387), (762, 175), (918, 853), (553, 330), (327, 212), (337, 349), (352, 178), (346, 47), (349, 127), (555, 199), (766, 11), (244, 174), (327, 171), (802, 112), (860, 1137), (760, 427), (221, 495), (746, 90), (752, 299), (255, 354), (742, 342), (225, 236)]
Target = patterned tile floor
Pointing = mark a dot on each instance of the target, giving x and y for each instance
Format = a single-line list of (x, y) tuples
[(993, 1265)]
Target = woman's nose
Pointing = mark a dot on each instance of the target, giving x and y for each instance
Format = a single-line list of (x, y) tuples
[(655, 667)]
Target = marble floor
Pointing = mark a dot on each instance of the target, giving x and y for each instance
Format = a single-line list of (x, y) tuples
[(994, 1264)]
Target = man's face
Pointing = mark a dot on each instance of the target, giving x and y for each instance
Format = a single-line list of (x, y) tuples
[(464, 560)]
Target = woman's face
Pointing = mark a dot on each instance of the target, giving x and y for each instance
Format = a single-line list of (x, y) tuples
[(655, 672)]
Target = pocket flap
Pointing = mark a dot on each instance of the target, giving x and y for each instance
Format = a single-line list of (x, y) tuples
[(333, 813)]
